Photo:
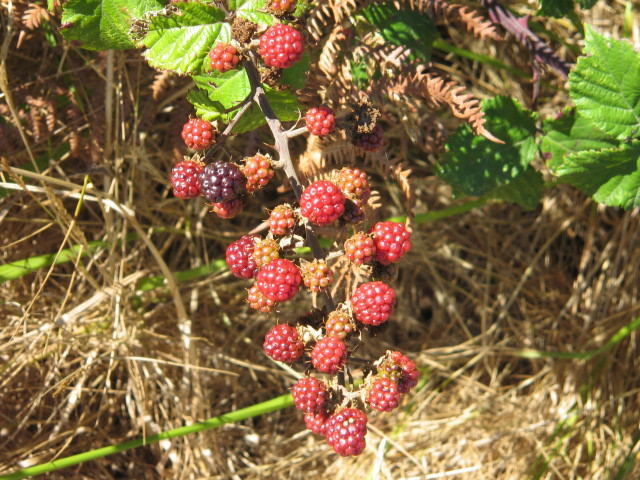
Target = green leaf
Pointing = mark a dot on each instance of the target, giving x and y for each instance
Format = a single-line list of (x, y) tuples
[(285, 105), (405, 28), (555, 8), (181, 42), (525, 190), (611, 176), (586, 4), (206, 108), (254, 10), (359, 74), (572, 133), (606, 85), (228, 89), (296, 76), (103, 24), (475, 166)]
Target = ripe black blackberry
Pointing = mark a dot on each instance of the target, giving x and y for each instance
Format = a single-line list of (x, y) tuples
[(222, 181)]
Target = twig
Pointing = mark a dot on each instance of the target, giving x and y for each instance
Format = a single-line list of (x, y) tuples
[(284, 157), (227, 131)]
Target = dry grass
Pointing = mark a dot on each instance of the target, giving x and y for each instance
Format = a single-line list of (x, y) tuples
[(88, 359)]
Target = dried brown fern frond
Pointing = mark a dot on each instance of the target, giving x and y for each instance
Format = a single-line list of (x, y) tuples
[(321, 156), (34, 15), (161, 81), (444, 12), (42, 117), (439, 92), (320, 21)]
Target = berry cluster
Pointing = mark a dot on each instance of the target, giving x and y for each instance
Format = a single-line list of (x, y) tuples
[(323, 342)]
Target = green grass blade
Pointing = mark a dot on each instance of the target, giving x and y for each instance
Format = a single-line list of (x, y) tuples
[(616, 338), (277, 403)]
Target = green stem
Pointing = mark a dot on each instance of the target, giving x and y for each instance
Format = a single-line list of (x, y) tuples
[(436, 215), (277, 403)]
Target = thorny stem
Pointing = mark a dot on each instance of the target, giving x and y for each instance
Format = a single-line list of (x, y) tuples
[(284, 158), (227, 131)]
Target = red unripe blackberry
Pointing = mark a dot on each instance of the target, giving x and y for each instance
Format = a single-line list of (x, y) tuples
[(339, 324), (258, 171), (257, 300), (383, 395), (184, 179), (279, 280), (309, 394), (198, 134), (392, 241), (372, 302), (281, 46), (354, 183), (316, 421), (228, 209), (265, 251), (316, 275), (345, 431), (282, 220), (371, 142), (328, 355), (224, 57), (280, 7), (360, 248), (282, 343), (239, 257), (320, 120), (222, 181), (322, 202), (410, 374)]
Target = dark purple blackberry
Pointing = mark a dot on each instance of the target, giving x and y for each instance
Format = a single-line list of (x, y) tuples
[(222, 181)]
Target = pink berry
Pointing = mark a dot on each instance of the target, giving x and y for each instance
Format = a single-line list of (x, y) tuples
[(224, 57), (320, 120), (239, 257), (281, 46), (228, 209), (392, 241), (184, 179), (360, 248), (309, 394), (198, 134), (279, 280), (328, 355), (372, 302), (322, 202), (258, 301), (283, 344), (345, 431), (282, 220), (383, 395), (316, 421)]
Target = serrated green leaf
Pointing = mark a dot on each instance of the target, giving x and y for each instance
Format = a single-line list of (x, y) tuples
[(285, 105), (555, 8), (606, 85), (103, 24), (475, 166), (405, 28), (611, 176), (296, 76), (254, 10), (228, 89), (525, 190), (206, 108), (181, 42), (572, 133)]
